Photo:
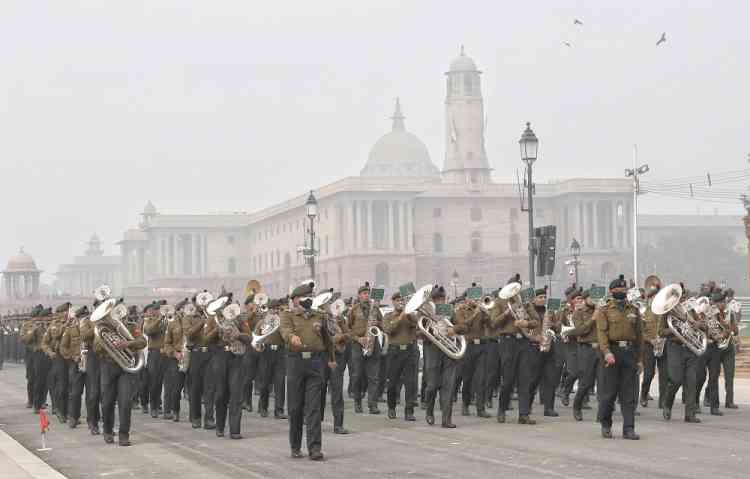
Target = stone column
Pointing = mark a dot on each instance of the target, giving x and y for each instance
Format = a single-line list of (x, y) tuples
[(391, 243), (582, 220), (746, 221), (613, 220), (595, 224), (409, 243), (370, 225)]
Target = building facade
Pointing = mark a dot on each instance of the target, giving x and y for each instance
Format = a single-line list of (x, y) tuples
[(401, 220), (89, 271)]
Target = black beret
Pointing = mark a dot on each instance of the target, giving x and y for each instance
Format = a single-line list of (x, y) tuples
[(63, 308), (718, 296), (82, 311), (302, 290), (181, 304), (364, 287), (395, 296), (132, 310), (540, 292), (152, 305), (618, 283), (516, 278), (45, 312), (96, 303), (438, 292), (276, 303), (570, 290)]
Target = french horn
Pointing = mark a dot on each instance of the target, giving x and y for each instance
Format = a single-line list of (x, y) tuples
[(110, 330), (433, 327)]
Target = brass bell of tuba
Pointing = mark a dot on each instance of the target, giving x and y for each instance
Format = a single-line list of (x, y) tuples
[(668, 301), (435, 328), (110, 330)]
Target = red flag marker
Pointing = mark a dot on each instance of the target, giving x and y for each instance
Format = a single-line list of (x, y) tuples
[(44, 426)]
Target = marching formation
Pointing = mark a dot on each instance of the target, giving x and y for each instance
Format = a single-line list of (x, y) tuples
[(505, 344)]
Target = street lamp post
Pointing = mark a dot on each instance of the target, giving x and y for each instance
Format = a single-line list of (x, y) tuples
[(575, 250), (454, 283), (636, 173), (529, 147), (311, 206)]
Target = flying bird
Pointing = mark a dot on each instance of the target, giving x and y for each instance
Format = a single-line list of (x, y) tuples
[(568, 44), (577, 22), (662, 39)]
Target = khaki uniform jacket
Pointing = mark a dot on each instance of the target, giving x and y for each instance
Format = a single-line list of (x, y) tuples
[(70, 347), (359, 316), (501, 320), (651, 323), (31, 335), (585, 326), (174, 336), (400, 327), (153, 328), (470, 321), (302, 323), (52, 338), (618, 323)]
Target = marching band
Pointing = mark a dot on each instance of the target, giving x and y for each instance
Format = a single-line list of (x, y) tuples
[(511, 342)]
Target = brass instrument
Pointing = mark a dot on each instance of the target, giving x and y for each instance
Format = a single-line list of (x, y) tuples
[(261, 301), (634, 298), (103, 292), (512, 294), (435, 328), (487, 303), (374, 333), (183, 364), (716, 329), (110, 330), (231, 330), (667, 301), (269, 324)]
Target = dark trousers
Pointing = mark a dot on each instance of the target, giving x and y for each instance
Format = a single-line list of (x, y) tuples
[(155, 368), (681, 367), (509, 368), (173, 382), (366, 368), (76, 382), (334, 377), (272, 365), (712, 359), (492, 366), (728, 358), (143, 383), (441, 375), (473, 370), (29, 363), (572, 368), (251, 363), (305, 383), (382, 375), (587, 358), (116, 386), (402, 364), (548, 376), (41, 378), (649, 370), (228, 377), (59, 386), (620, 380), (198, 372), (661, 365), (93, 388), (529, 365)]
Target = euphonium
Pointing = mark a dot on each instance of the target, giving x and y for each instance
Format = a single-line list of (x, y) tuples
[(667, 301), (268, 325), (433, 327), (110, 330), (716, 329)]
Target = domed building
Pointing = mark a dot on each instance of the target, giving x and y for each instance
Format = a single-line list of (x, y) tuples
[(21, 277), (401, 220), (399, 153), (90, 271)]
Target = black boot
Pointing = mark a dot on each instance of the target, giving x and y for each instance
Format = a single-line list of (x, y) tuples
[(448, 421), (430, 416), (391, 413), (409, 415), (715, 412), (358, 406)]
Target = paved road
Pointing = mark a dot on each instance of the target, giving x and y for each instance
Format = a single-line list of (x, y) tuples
[(556, 448)]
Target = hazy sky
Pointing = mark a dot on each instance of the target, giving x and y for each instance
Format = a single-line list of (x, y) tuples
[(235, 105)]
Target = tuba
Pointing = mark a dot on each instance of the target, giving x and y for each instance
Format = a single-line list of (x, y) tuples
[(667, 301), (261, 301), (110, 330), (230, 329), (511, 293), (487, 303), (435, 328)]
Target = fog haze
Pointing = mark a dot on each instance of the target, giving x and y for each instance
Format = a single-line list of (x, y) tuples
[(237, 105)]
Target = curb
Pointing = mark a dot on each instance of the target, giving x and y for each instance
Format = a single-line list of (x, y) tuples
[(33, 465)]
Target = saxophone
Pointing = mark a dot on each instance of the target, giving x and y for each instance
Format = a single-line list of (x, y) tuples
[(374, 333)]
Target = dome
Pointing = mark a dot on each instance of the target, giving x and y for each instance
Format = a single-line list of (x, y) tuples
[(399, 153), (149, 209), (21, 262), (462, 63)]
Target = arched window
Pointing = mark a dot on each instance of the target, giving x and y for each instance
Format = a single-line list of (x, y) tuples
[(476, 242), (232, 266), (437, 243)]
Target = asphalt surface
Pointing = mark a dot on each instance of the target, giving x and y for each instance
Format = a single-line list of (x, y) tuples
[(378, 447)]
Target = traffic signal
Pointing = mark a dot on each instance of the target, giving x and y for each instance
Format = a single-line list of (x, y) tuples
[(546, 239)]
